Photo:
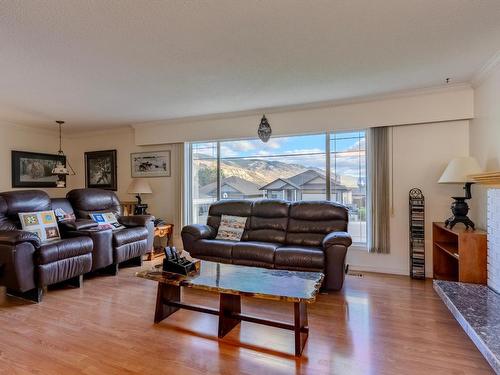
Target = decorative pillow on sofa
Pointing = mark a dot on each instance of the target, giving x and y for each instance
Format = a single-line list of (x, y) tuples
[(106, 220), (43, 224), (231, 227), (64, 216)]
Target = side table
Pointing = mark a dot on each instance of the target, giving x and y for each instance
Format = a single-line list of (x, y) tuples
[(161, 231)]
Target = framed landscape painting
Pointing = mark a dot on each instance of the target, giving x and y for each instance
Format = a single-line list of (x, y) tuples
[(34, 170), (150, 164), (100, 170)]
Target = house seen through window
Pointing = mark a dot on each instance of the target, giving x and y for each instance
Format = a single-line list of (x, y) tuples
[(291, 168)]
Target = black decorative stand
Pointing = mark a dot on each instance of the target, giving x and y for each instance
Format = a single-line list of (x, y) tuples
[(417, 234), (460, 209)]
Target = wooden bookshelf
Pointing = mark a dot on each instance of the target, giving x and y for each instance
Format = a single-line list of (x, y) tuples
[(459, 254)]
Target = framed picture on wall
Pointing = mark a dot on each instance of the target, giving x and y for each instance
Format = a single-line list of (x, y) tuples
[(34, 170), (100, 170), (150, 164)]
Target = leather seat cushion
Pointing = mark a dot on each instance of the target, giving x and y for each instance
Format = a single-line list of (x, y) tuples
[(299, 258), (63, 249), (213, 248), (129, 235), (254, 251)]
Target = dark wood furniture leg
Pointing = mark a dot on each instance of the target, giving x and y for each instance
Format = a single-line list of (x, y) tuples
[(301, 327), (34, 295), (230, 309), (166, 293)]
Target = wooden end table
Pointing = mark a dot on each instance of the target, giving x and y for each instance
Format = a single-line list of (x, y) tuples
[(161, 231)]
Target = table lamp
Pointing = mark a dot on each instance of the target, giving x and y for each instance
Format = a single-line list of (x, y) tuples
[(458, 171), (139, 186)]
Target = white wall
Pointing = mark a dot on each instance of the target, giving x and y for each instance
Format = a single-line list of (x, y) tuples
[(485, 137), (421, 153), (165, 202), (444, 104), (16, 137)]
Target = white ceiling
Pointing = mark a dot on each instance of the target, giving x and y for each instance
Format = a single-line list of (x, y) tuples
[(104, 63)]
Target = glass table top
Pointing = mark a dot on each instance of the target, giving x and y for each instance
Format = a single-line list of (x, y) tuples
[(283, 285)]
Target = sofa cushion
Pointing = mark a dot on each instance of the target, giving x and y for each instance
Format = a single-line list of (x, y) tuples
[(300, 258), (86, 201), (309, 222), (269, 221), (213, 248), (63, 249), (129, 235), (254, 253), (231, 207), (43, 224)]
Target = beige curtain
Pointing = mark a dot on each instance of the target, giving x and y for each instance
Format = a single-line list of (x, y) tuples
[(378, 190)]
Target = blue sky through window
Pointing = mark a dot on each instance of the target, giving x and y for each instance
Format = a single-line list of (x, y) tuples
[(306, 150)]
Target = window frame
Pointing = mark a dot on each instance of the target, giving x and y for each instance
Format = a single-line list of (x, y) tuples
[(188, 207)]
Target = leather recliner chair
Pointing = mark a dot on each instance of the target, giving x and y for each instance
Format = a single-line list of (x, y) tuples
[(300, 236), (26, 264), (126, 244), (102, 253)]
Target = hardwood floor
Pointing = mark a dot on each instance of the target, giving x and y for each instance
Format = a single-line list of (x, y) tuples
[(378, 324)]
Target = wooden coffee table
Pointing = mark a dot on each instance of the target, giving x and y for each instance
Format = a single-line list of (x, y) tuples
[(231, 282)]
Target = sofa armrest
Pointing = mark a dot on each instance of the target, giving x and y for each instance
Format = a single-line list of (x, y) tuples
[(337, 238), (199, 231), (14, 237), (135, 220)]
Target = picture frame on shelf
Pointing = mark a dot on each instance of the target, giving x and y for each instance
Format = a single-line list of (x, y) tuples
[(150, 164), (101, 170), (34, 169)]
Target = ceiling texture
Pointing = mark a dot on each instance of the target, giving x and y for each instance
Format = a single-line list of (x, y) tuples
[(106, 63)]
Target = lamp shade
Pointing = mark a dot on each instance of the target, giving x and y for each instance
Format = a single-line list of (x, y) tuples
[(459, 170), (139, 186)]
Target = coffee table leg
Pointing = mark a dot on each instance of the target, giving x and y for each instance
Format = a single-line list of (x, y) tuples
[(166, 293), (229, 304), (301, 327)]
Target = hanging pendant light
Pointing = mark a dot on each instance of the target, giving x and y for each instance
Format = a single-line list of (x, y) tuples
[(264, 130), (60, 169)]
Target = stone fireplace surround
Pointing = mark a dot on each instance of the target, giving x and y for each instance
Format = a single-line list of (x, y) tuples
[(477, 307)]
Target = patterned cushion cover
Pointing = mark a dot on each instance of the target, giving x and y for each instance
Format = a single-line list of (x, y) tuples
[(106, 220), (231, 227), (43, 224), (63, 216)]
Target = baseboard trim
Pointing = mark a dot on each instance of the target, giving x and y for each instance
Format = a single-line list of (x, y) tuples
[(392, 271)]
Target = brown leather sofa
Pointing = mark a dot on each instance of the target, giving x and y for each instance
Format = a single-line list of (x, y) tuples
[(26, 264), (302, 236), (126, 244)]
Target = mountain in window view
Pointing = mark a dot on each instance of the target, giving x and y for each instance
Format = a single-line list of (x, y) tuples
[(258, 171)]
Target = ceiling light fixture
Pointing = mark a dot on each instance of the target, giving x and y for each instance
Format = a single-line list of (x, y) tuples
[(60, 169), (264, 130)]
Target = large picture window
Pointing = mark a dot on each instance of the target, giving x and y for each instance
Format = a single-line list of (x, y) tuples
[(308, 167)]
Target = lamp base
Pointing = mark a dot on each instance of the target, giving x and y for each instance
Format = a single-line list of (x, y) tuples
[(459, 208)]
